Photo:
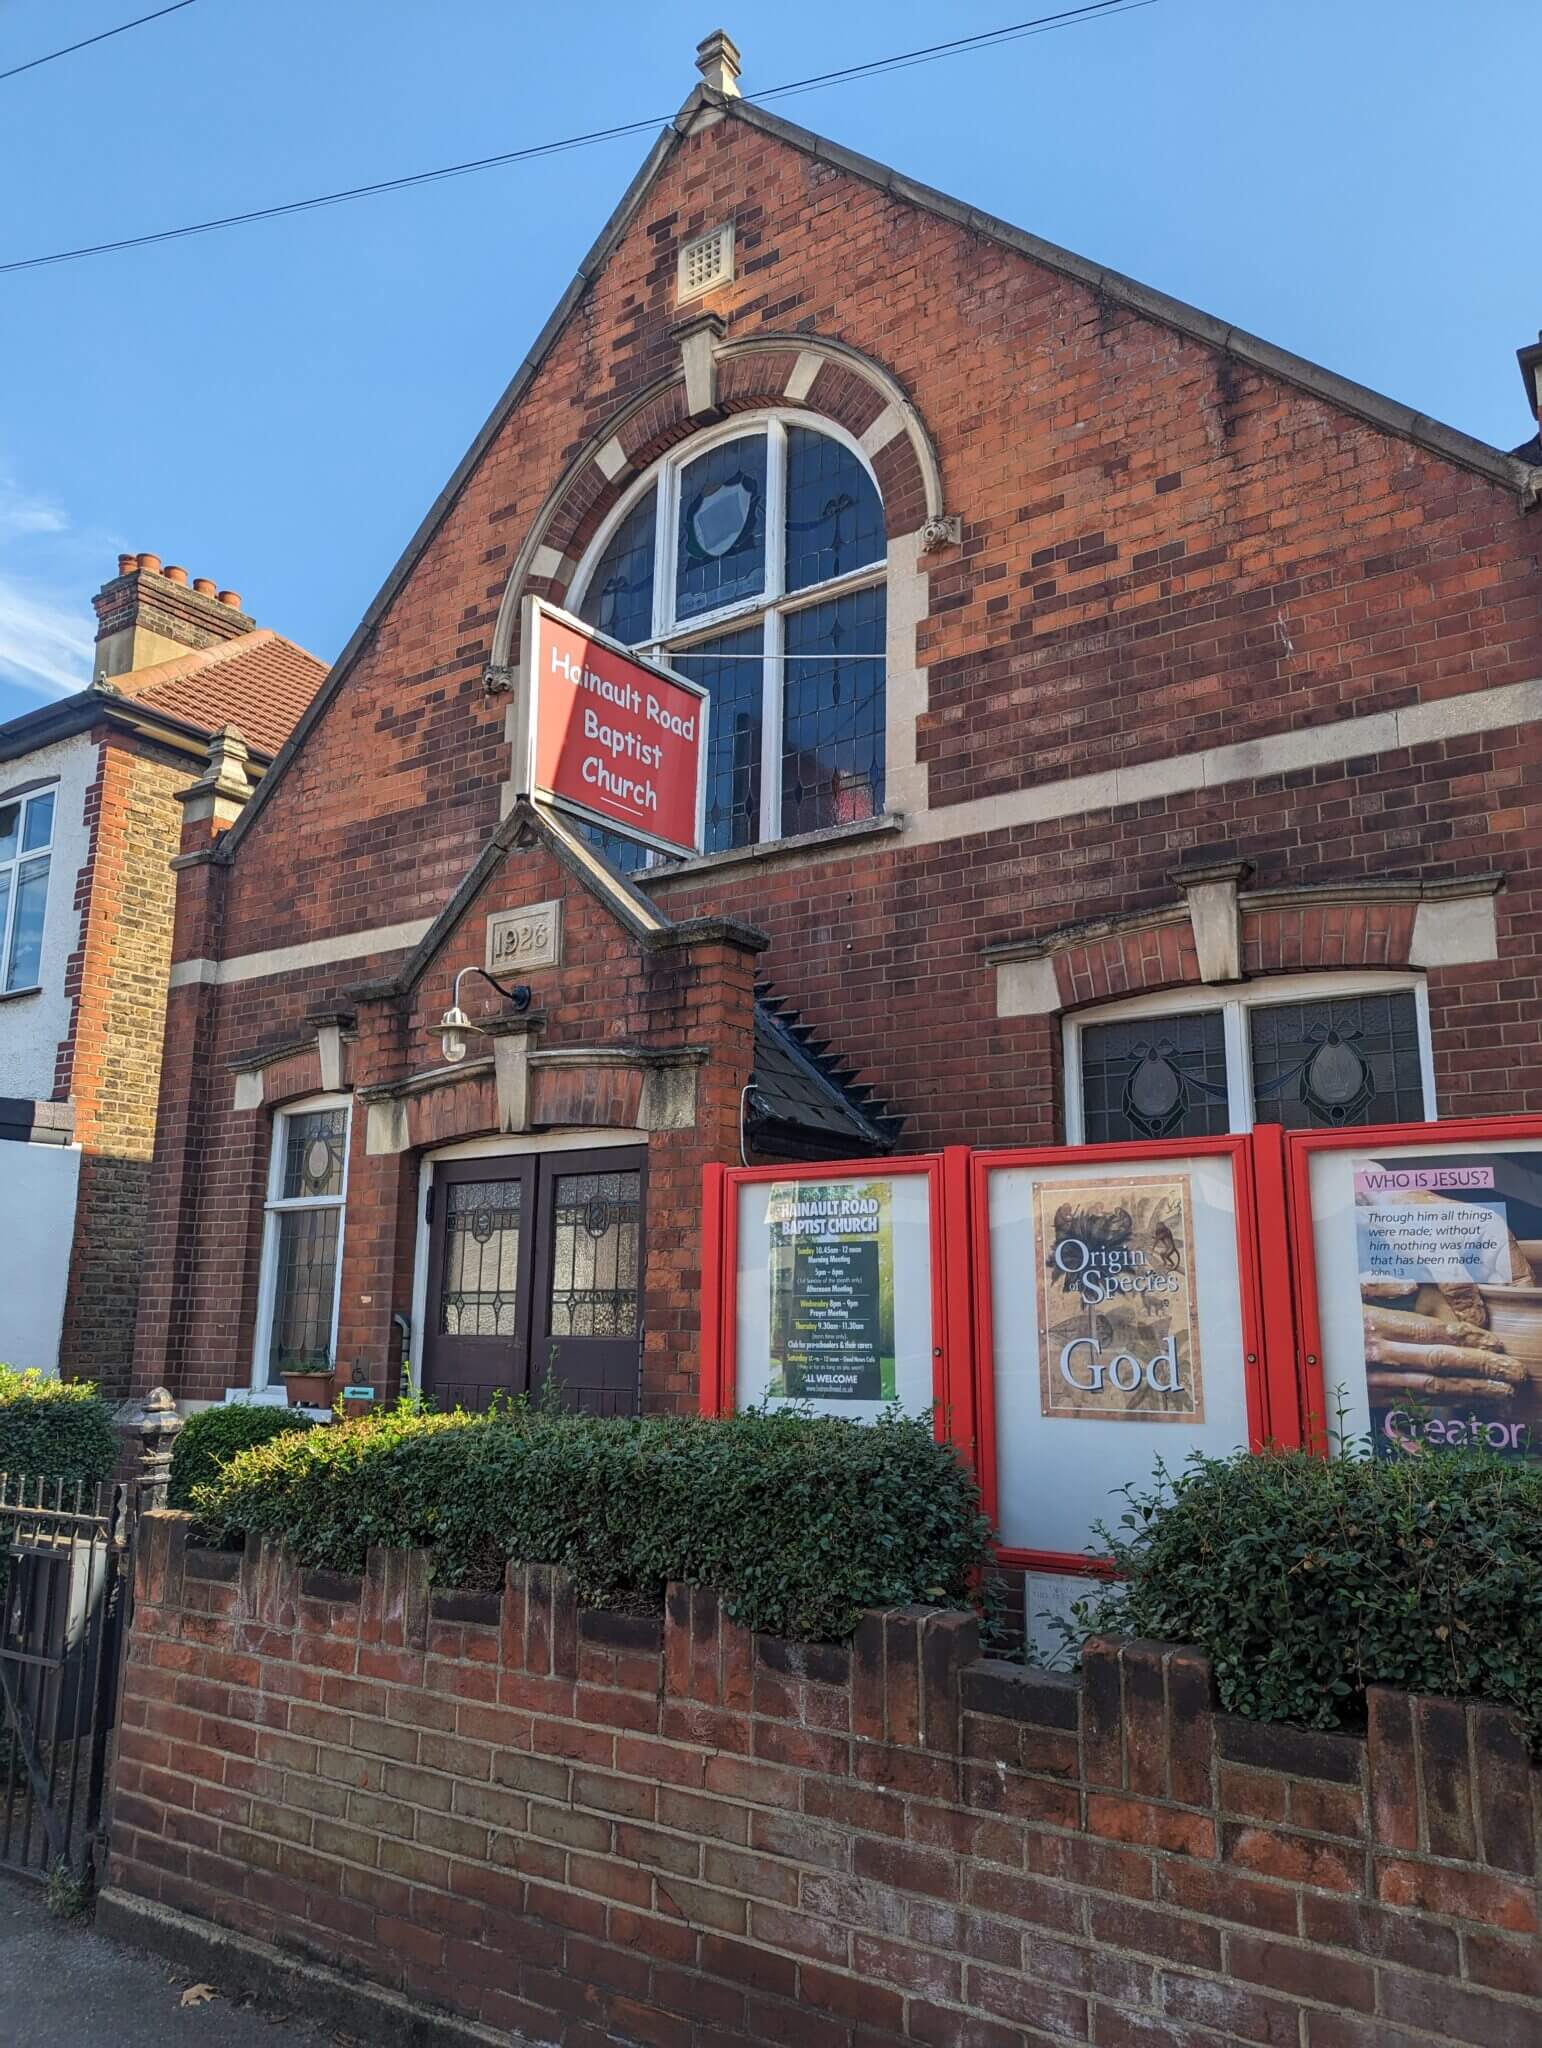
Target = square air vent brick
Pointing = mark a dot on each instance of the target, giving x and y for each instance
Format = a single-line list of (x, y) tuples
[(706, 262)]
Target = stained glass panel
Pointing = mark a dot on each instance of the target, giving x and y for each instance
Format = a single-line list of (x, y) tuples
[(730, 669), (721, 546), (305, 1288), (594, 1227), (479, 1294), (833, 712), (1155, 1077), (1340, 1062), (619, 599), (834, 516), (315, 1144)]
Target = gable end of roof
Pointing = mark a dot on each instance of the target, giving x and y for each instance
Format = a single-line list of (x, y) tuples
[(1376, 410)]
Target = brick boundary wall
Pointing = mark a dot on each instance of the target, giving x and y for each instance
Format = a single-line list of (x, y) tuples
[(587, 1827)]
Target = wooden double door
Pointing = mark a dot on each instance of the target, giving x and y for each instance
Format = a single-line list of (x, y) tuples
[(535, 1274)]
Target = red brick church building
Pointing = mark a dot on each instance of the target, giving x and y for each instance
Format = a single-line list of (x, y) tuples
[(1109, 711)]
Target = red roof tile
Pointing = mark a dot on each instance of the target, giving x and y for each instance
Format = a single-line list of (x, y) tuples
[(259, 683)]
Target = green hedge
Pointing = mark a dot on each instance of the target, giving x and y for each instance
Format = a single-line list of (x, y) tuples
[(799, 1522), (59, 1429), (1307, 1579), (212, 1437)]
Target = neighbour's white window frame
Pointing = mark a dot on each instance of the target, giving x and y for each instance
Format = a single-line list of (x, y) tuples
[(1234, 1001), (276, 1205), (26, 800), (672, 635)]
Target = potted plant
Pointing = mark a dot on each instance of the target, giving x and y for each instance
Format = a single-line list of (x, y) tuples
[(308, 1382)]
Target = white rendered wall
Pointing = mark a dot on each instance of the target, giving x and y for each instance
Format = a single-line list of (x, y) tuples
[(32, 1026), (37, 1223)]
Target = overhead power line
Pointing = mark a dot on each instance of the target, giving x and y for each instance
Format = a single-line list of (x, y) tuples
[(1070, 17), (106, 35)]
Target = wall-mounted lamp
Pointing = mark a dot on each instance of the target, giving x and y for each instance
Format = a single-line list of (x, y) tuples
[(455, 1024)]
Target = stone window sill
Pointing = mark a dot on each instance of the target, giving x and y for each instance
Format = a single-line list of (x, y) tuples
[(16, 995), (831, 839)]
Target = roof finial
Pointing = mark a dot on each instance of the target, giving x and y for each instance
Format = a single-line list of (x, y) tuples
[(717, 59)]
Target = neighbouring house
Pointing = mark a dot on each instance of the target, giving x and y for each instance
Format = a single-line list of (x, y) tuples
[(89, 825), (1110, 711)]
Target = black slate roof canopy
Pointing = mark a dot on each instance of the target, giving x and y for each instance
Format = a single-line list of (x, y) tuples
[(802, 1103)]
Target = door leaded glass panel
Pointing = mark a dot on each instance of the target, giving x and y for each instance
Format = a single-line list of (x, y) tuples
[(594, 1228), (479, 1295)]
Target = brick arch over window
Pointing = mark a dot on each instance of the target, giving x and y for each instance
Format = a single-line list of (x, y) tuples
[(1220, 931), (826, 379), (1301, 938)]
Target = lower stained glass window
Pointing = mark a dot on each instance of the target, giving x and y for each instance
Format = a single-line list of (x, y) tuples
[(1155, 1077), (1329, 1064), (1342, 1061)]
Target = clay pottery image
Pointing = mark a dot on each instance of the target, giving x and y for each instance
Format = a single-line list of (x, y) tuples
[(1515, 1313)]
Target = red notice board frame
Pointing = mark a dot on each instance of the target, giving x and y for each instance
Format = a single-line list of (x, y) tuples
[(1300, 1147), (1268, 1369), (952, 1376)]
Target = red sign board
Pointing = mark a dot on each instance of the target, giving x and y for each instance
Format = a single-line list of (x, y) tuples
[(618, 741)]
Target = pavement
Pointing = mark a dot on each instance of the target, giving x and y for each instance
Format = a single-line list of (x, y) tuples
[(64, 1986)]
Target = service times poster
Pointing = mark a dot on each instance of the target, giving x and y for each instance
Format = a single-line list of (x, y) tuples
[(831, 1291), (1450, 1259), (1118, 1320)]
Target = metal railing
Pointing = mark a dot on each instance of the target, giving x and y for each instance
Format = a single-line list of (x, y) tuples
[(64, 1597)]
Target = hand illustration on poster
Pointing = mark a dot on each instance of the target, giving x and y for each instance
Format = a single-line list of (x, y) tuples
[(1450, 1253), (832, 1291), (1118, 1321)]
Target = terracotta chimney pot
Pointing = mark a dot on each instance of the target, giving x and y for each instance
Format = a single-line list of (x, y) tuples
[(127, 564), (232, 598), (151, 564), (176, 575), (204, 585)]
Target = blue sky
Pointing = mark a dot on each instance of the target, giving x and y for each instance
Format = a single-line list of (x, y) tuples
[(276, 406)]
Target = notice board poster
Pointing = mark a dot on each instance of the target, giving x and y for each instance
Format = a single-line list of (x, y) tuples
[(1449, 1249), (831, 1256), (1118, 1318)]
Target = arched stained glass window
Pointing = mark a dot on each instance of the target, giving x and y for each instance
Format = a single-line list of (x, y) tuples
[(772, 594), (619, 599)]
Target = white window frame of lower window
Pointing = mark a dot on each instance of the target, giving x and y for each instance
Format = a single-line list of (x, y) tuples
[(672, 636), (1234, 1002), (275, 1205), (25, 799)]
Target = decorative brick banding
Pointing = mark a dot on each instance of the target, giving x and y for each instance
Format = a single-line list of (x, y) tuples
[(674, 1833)]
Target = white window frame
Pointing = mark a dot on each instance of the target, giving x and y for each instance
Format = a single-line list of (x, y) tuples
[(276, 1205), (672, 635), (25, 800), (1234, 1002)]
